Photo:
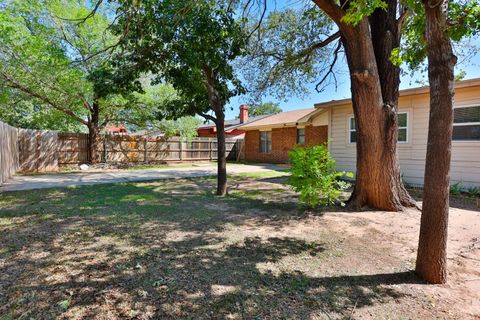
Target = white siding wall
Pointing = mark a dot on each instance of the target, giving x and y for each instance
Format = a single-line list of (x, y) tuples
[(465, 167)]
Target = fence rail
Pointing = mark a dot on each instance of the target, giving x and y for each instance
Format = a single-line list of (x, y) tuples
[(132, 149), (23, 150), (42, 151), (9, 159)]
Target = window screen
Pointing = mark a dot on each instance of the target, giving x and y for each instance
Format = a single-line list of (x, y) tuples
[(301, 136), (466, 123), (265, 141)]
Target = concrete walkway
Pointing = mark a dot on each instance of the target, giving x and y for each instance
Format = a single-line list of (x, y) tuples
[(29, 182)]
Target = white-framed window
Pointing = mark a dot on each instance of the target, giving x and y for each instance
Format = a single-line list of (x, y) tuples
[(352, 130), (265, 141), (403, 127), (300, 135), (466, 123), (403, 120)]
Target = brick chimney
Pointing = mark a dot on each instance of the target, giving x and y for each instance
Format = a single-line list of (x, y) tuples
[(243, 113)]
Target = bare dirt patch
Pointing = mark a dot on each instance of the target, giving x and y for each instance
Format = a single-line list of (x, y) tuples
[(172, 249)]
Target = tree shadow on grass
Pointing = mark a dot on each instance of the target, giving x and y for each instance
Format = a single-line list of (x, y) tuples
[(108, 250), (199, 278)]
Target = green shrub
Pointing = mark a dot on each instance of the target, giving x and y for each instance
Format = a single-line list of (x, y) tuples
[(456, 188), (314, 176)]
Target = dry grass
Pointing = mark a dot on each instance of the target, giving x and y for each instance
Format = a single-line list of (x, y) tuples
[(171, 249)]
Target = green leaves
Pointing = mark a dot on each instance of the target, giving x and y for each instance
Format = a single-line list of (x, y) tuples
[(313, 175), (185, 127), (463, 23), (55, 65), (35, 60), (186, 44), (359, 9), (284, 59), (464, 19), (64, 305), (264, 108)]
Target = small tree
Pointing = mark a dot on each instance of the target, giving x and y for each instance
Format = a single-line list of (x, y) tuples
[(191, 45), (314, 176)]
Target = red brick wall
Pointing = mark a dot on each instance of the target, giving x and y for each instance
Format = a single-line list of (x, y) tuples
[(316, 135), (283, 140)]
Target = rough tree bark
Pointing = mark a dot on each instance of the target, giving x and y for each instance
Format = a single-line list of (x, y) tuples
[(432, 247), (385, 30), (221, 155), (378, 183), (217, 106), (94, 133)]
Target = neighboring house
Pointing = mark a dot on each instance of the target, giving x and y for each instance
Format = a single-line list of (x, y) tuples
[(116, 129), (268, 140), (148, 133), (232, 130)]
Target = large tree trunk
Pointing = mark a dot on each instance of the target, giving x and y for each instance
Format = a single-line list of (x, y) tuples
[(386, 36), (378, 183), (93, 143), (432, 247), (94, 134), (221, 155), (374, 98)]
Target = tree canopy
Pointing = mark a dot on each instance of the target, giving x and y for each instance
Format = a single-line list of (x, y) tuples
[(191, 45), (186, 44), (265, 108), (293, 48)]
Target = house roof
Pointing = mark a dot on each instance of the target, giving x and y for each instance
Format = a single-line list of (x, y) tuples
[(232, 122), (149, 133), (405, 92), (279, 119)]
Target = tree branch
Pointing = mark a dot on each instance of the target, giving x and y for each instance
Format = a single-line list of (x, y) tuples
[(88, 16), (207, 116), (316, 46), (330, 69), (14, 84), (334, 11), (401, 19), (262, 16)]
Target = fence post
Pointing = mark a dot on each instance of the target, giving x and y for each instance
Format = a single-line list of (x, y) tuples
[(180, 144), (210, 149), (105, 148), (145, 159), (38, 137)]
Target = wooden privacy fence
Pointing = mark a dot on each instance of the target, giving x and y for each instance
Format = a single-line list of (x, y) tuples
[(9, 160), (132, 149), (45, 151), (38, 150)]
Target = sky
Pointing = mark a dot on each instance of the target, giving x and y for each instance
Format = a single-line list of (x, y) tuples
[(471, 67)]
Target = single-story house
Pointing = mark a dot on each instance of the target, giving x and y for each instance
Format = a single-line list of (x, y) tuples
[(232, 131), (269, 139)]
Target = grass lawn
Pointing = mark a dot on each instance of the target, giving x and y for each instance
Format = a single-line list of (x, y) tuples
[(171, 249)]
